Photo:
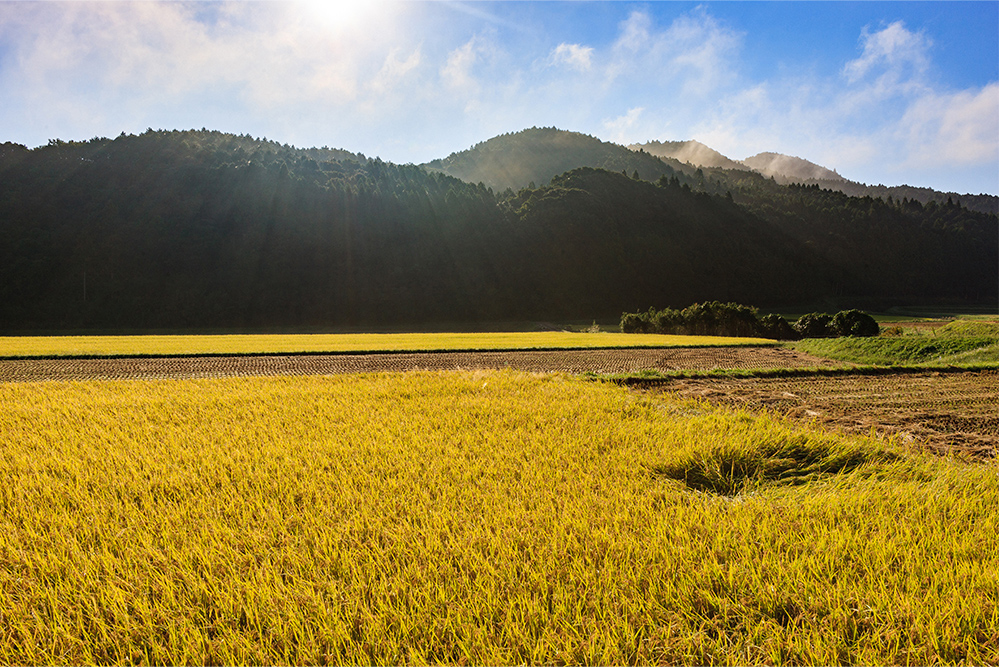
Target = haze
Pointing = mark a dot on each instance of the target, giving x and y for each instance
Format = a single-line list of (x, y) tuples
[(889, 93)]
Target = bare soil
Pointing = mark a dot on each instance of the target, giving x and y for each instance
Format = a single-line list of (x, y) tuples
[(567, 361), (954, 412)]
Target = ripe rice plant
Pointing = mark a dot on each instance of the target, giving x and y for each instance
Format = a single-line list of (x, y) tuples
[(481, 517), (41, 346)]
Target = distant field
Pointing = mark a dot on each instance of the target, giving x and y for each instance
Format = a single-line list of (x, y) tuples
[(475, 518), (37, 346)]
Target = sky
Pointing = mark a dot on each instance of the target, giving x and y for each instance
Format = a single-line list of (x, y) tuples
[(883, 92)]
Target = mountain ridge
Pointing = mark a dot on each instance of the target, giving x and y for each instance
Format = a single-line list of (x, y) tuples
[(190, 229), (788, 169)]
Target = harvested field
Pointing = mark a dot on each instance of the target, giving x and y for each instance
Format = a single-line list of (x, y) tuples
[(945, 412), (567, 361)]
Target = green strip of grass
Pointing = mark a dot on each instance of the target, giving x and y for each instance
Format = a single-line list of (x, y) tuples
[(890, 350), (652, 377)]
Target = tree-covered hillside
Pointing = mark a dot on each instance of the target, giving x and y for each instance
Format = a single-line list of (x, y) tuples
[(533, 157), (204, 229), (187, 229)]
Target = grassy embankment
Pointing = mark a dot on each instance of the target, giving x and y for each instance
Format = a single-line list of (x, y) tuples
[(961, 342), (96, 346), (490, 517)]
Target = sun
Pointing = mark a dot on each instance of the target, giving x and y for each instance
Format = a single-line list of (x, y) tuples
[(340, 14)]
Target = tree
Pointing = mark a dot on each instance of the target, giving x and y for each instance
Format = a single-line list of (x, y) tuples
[(855, 323)]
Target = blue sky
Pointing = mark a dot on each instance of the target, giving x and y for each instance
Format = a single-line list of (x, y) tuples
[(884, 92)]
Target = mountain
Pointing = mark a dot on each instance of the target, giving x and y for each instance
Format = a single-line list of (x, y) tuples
[(982, 203), (516, 160), (693, 152), (789, 169), (199, 230), (786, 169)]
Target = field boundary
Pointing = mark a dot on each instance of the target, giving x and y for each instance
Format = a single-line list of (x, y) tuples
[(639, 380), (581, 362), (334, 353)]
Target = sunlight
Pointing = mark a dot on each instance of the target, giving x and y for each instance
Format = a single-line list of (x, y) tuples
[(344, 14)]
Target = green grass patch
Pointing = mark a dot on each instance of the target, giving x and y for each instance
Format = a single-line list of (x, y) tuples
[(97, 346), (968, 328), (894, 350)]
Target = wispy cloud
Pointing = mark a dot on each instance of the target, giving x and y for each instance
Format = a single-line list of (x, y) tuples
[(960, 128), (575, 56), (695, 52), (893, 48), (622, 129)]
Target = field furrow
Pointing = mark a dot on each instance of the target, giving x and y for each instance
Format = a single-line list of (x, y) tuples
[(567, 361)]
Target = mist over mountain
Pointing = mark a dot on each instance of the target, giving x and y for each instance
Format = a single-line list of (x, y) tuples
[(200, 229), (786, 169), (790, 169), (693, 152)]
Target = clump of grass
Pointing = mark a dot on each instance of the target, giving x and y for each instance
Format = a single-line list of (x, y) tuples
[(763, 452)]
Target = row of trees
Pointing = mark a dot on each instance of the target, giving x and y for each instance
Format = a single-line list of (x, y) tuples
[(714, 318)]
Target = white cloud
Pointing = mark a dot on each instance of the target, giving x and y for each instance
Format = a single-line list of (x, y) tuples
[(575, 56), (395, 70), (696, 53), (960, 128), (703, 49), (457, 71), (894, 49), (622, 129)]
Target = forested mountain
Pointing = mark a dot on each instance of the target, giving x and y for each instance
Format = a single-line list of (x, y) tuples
[(533, 157), (787, 170), (693, 152), (981, 202), (204, 229)]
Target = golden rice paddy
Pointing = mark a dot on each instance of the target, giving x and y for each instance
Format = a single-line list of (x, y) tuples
[(33, 346), (478, 517)]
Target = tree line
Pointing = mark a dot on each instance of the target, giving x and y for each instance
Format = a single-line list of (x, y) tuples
[(733, 319)]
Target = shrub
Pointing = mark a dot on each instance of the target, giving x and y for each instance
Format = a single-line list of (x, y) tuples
[(776, 327), (855, 323), (816, 325)]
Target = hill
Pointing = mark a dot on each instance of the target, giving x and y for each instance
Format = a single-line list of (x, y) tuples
[(534, 156), (693, 152), (199, 230), (789, 169), (786, 170)]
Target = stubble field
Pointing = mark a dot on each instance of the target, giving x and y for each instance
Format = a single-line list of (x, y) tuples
[(483, 516), (538, 361)]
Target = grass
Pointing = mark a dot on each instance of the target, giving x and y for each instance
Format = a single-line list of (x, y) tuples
[(489, 517), (94, 346), (960, 342)]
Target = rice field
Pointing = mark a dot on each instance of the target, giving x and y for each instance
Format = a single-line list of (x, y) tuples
[(475, 517), (38, 346)]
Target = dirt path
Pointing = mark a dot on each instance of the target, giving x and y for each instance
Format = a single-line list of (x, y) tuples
[(944, 412), (568, 361)]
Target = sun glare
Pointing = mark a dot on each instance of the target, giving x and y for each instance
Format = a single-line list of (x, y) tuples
[(344, 13)]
